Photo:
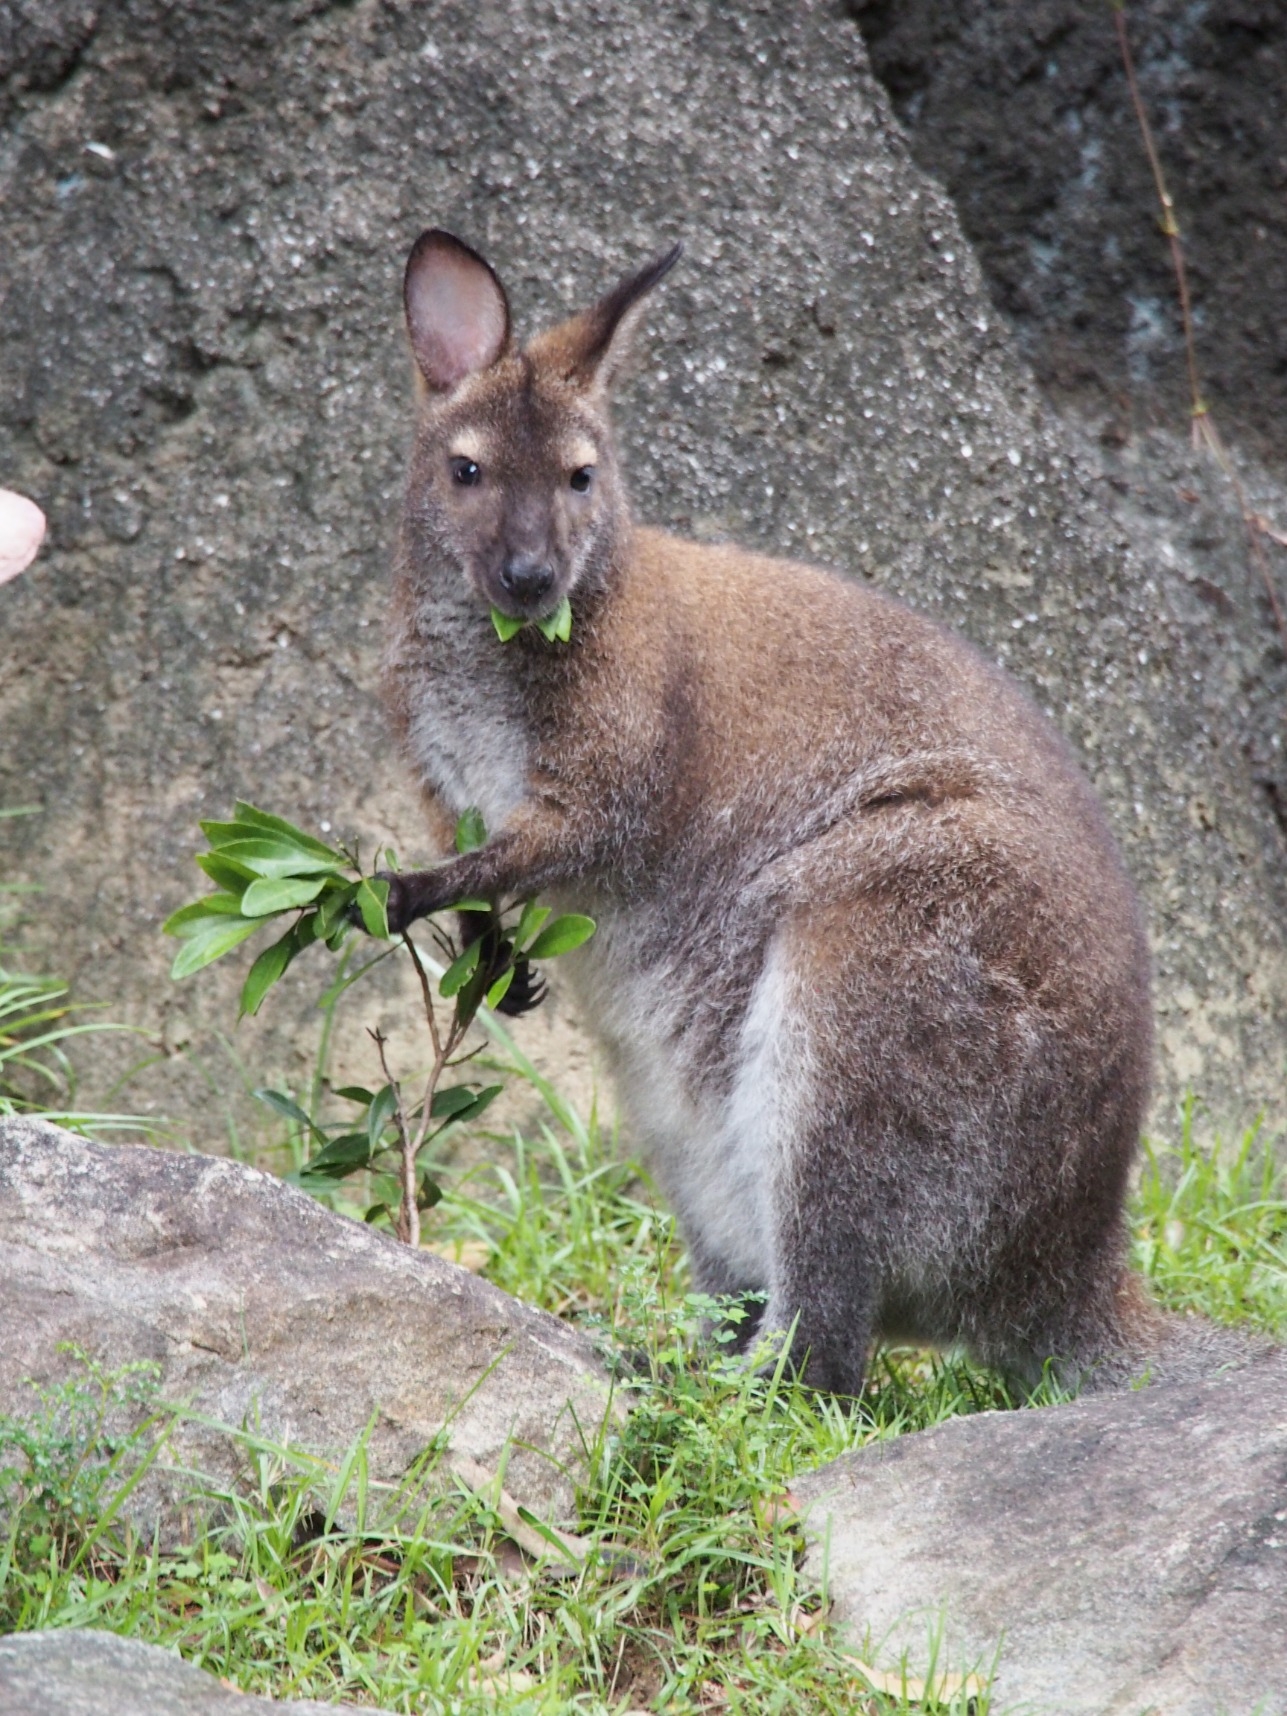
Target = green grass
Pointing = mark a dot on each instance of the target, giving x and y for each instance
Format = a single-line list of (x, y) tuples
[(691, 1596), (37, 1076), (1211, 1228)]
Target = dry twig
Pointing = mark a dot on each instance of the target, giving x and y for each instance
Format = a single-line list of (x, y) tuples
[(1204, 429)]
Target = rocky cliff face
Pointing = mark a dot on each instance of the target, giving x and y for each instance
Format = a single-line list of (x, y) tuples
[(1021, 109), (204, 383)]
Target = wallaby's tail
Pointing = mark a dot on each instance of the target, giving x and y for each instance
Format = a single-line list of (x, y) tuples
[(1169, 1346)]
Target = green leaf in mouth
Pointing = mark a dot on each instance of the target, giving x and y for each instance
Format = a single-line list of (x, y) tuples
[(557, 627)]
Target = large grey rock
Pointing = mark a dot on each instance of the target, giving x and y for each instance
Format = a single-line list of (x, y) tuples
[(1123, 1554), (203, 379), (263, 1309), (85, 1673)]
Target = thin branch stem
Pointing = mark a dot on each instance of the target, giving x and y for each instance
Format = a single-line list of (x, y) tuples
[(444, 1047), (408, 1224), (1204, 429), (426, 993), (1170, 225)]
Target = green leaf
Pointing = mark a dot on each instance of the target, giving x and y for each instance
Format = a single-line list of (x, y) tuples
[(270, 965), (429, 1194), (373, 901), (283, 1104), (483, 1100), (225, 872), (462, 1103), (506, 627), (386, 1189), (223, 833), (209, 942), (333, 904), (470, 906), (471, 830), (452, 1101), (267, 895), (390, 858), (246, 813), (500, 989), (531, 921), (267, 855), (377, 1212), (341, 1156), (355, 1093), (460, 971), (258, 825), (184, 921), (558, 624), (383, 1104), (561, 936)]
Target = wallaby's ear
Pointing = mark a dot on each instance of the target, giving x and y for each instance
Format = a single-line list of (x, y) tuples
[(591, 348), (457, 312)]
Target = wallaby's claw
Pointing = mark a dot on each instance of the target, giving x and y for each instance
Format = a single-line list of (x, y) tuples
[(526, 991), (527, 986)]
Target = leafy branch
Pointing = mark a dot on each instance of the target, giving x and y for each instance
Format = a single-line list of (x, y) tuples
[(266, 872)]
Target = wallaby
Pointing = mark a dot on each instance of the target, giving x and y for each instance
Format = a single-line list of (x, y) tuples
[(868, 969)]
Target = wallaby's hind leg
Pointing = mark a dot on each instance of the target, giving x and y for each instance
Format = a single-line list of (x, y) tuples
[(817, 1268), (953, 1160), (824, 1293), (1091, 1333)]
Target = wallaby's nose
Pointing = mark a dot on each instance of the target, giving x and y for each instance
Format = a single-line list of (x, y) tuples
[(526, 578)]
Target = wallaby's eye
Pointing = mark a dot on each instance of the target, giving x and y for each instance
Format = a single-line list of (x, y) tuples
[(465, 472), (582, 478)]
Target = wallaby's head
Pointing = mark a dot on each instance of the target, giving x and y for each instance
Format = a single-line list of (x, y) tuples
[(515, 482)]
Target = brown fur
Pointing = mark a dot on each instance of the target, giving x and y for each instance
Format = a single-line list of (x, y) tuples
[(868, 965)]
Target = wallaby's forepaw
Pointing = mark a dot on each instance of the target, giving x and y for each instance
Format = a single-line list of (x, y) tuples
[(527, 987)]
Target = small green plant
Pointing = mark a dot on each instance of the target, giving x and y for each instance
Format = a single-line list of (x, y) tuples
[(66, 1472), (37, 1021), (268, 872), (35, 1073)]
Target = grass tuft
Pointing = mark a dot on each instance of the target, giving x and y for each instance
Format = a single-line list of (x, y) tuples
[(1211, 1228)]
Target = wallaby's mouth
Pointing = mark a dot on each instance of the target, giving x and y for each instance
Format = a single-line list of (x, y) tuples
[(525, 588)]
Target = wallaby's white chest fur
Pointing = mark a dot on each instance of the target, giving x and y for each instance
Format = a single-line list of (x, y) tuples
[(465, 729), (480, 764)]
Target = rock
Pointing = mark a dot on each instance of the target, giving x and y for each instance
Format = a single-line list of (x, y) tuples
[(86, 1673), (40, 46), (1122, 1554), (203, 380), (261, 1307)]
